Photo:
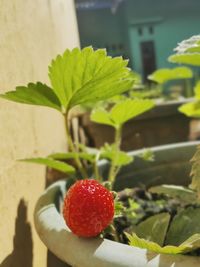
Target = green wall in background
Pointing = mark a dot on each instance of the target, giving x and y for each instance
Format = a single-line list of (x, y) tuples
[(171, 21)]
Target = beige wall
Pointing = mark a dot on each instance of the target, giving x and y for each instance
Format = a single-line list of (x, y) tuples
[(31, 33)]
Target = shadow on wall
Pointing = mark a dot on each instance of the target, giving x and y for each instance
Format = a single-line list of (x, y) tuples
[(22, 254)]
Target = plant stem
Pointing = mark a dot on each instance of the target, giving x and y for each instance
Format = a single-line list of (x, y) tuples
[(117, 143), (96, 169), (73, 149)]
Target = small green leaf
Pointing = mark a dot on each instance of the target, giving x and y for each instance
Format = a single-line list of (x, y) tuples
[(55, 164), (34, 94), (73, 155), (189, 45), (191, 109), (122, 112), (109, 152), (187, 52), (88, 76), (195, 173), (190, 244), (119, 208), (147, 155), (184, 194), (102, 116), (188, 58), (163, 75), (197, 90), (184, 225), (154, 228)]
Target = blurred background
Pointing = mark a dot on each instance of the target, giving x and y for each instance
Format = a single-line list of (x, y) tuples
[(144, 31)]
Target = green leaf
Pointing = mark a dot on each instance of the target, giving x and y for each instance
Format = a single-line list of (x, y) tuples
[(184, 225), (195, 173), (184, 194), (187, 52), (197, 90), (189, 58), (163, 75), (147, 155), (34, 94), (191, 109), (109, 152), (154, 228), (119, 208), (122, 112), (73, 155), (55, 164), (102, 116), (189, 45), (190, 244), (84, 76)]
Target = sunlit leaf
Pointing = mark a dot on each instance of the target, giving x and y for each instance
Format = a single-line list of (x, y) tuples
[(119, 208), (81, 76), (55, 164), (34, 94), (71, 155), (121, 158), (191, 109), (154, 228), (197, 90), (163, 75), (186, 195), (122, 112), (190, 244), (187, 52), (195, 173), (102, 116), (189, 58), (147, 154), (183, 226), (189, 45)]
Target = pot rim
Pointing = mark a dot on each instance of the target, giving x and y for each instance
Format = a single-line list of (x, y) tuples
[(98, 252)]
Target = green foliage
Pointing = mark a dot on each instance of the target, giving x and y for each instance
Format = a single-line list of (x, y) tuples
[(131, 211), (148, 93), (77, 77), (188, 52), (189, 45), (119, 209), (197, 90), (121, 112), (184, 225), (34, 94), (84, 76), (109, 152), (192, 109), (73, 155), (190, 244), (185, 195), (163, 75), (147, 155), (154, 228), (189, 59), (195, 173), (55, 164)]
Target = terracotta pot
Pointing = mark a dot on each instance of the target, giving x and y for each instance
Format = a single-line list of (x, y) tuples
[(171, 165)]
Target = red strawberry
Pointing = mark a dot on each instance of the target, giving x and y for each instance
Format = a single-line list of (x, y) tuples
[(88, 208)]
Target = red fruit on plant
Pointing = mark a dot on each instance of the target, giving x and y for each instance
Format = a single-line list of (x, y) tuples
[(88, 208)]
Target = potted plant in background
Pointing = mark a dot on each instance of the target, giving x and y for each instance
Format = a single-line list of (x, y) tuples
[(149, 219), (162, 125)]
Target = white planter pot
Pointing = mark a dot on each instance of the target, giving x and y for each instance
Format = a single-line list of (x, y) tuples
[(98, 252)]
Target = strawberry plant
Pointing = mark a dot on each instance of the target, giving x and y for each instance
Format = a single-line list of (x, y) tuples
[(148, 219)]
